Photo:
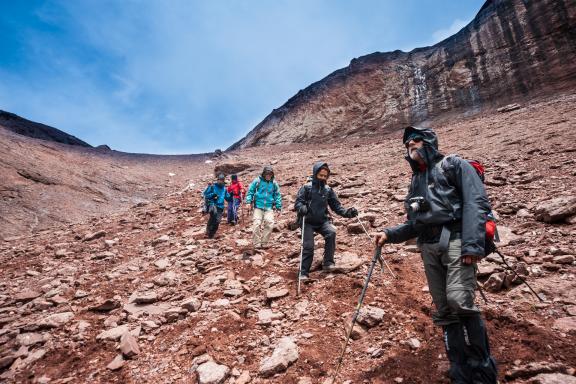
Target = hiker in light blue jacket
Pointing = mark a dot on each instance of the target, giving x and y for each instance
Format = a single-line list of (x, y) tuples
[(264, 195)]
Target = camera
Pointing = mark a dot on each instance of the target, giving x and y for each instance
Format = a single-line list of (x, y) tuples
[(418, 204)]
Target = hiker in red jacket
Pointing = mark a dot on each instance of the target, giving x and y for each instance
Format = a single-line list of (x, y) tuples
[(237, 191)]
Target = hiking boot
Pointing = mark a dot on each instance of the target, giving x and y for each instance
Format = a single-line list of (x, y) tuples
[(304, 278), (329, 267)]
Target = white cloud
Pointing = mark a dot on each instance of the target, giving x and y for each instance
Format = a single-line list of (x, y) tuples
[(441, 34)]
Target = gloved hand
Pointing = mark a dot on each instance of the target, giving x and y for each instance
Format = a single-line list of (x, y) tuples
[(303, 210), (351, 212)]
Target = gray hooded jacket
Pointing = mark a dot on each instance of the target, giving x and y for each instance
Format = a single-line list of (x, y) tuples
[(455, 195)]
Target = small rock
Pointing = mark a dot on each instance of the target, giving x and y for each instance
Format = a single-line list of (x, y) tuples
[(565, 324), (56, 320), (116, 364), (564, 259), (211, 372), (370, 316), (144, 297), (94, 235), (26, 295), (114, 333), (129, 345), (29, 339), (553, 378), (106, 305), (276, 293), (413, 343), (161, 239), (162, 264), (495, 282), (192, 304), (285, 353), (266, 316)]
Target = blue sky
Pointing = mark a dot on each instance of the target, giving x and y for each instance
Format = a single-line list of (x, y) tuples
[(189, 76)]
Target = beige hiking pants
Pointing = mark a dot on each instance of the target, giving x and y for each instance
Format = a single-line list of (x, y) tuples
[(263, 221)]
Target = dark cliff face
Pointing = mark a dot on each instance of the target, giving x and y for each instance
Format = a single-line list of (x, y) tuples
[(513, 50), (21, 126)]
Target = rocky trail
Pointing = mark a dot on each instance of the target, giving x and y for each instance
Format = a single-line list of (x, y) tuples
[(138, 296)]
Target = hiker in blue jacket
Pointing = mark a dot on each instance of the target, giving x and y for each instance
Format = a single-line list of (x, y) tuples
[(215, 195), (264, 195)]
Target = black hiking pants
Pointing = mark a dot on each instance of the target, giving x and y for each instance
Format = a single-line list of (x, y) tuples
[(327, 231), (214, 221)]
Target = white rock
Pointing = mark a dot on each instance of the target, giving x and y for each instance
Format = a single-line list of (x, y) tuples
[(56, 320), (114, 333), (211, 372), (285, 353)]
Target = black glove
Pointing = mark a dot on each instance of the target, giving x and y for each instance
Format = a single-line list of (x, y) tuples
[(351, 212), (303, 210)]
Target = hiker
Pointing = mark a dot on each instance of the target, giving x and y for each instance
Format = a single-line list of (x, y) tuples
[(264, 196), (237, 191), (312, 204), (214, 197), (447, 208)]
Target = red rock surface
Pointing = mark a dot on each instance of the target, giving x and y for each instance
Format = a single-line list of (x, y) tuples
[(513, 50), (209, 293)]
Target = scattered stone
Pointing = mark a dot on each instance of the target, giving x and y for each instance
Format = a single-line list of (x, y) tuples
[(161, 239), (370, 316), (509, 108), (150, 309), (285, 353), (114, 333), (60, 253), (162, 264), (192, 304), (266, 316), (129, 345), (56, 320), (166, 279), (116, 364), (244, 377), (211, 372), (94, 235), (26, 295), (564, 259), (106, 305), (532, 369), (495, 282), (81, 294), (354, 228), (553, 378), (30, 339), (485, 270), (144, 297), (565, 324), (413, 343), (276, 293), (556, 210)]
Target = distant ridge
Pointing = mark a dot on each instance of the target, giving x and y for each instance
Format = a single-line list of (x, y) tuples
[(21, 126)]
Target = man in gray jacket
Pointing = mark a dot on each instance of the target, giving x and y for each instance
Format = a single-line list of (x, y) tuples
[(447, 209)]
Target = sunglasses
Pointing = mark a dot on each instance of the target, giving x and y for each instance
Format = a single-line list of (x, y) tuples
[(415, 139)]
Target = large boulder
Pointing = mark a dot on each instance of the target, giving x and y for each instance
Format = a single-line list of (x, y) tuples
[(556, 210)]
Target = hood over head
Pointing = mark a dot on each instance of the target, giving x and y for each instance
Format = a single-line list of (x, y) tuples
[(267, 168), (317, 166), (234, 177), (429, 150)]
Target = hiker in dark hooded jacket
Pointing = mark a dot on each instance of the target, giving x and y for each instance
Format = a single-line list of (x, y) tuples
[(215, 195), (447, 210), (312, 204)]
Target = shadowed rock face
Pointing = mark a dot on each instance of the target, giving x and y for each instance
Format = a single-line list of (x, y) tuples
[(29, 128), (512, 50)]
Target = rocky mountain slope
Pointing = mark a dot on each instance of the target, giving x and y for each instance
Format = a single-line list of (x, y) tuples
[(513, 50), (138, 296), (21, 126), (45, 183)]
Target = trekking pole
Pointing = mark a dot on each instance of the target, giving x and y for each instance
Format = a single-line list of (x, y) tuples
[(380, 258), (517, 275), (377, 255), (301, 254)]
